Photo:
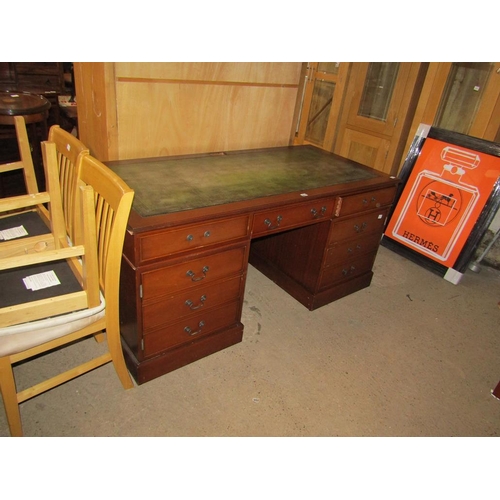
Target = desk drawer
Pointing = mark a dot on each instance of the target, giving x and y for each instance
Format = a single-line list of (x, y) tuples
[(348, 205), (191, 328), (346, 250), (169, 241), (368, 223), (289, 217), (172, 308), (193, 273), (347, 270)]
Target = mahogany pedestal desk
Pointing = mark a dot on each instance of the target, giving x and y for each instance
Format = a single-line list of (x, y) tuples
[(309, 220)]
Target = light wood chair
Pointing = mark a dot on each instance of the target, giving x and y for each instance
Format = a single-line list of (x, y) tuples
[(111, 205), (19, 304), (35, 217), (18, 208), (35, 227)]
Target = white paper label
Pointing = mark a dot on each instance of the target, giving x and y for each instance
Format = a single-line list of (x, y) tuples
[(41, 280), (13, 232)]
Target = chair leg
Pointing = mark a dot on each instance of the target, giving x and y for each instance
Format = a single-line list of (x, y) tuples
[(9, 395), (115, 349)]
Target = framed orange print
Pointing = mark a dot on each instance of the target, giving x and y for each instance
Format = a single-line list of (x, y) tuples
[(449, 194)]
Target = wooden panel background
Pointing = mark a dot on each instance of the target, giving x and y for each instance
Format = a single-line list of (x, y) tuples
[(236, 72), (154, 109), (95, 95)]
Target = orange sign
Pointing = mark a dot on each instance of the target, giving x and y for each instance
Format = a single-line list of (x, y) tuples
[(445, 193)]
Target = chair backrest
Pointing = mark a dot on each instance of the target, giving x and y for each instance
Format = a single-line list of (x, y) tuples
[(69, 149), (26, 162), (113, 202)]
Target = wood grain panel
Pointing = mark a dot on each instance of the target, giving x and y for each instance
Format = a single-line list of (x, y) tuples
[(364, 148), (95, 93), (250, 72), (159, 118)]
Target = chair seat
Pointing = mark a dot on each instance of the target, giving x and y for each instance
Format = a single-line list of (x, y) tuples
[(30, 220), (13, 339), (14, 292)]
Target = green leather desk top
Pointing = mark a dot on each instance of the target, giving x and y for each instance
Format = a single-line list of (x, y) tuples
[(173, 184)]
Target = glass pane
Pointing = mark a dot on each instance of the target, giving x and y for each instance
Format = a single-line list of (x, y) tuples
[(319, 112), (462, 96), (378, 89), (329, 67)]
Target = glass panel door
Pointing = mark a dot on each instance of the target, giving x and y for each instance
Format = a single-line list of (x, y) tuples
[(378, 90), (324, 86), (329, 67), (463, 95), (378, 104), (319, 112)]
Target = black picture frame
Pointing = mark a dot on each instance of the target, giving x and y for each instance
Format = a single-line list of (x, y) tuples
[(483, 221)]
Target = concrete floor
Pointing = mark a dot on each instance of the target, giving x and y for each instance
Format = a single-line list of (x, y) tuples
[(412, 355)]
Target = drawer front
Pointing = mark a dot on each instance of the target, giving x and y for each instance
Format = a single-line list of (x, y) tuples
[(360, 226), (174, 307), (348, 205), (191, 328), (346, 250), (289, 217), (170, 241), (347, 270), (192, 273)]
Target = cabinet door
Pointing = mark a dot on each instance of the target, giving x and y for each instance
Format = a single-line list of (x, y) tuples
[(461, 97), (377, 96), (468, 99), (378, 103), (321, 103)]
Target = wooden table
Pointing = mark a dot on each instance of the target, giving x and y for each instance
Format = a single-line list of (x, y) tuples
[(309, 220)]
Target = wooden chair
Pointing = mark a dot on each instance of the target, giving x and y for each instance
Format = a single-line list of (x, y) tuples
[(26, 165), (69, 149), (17, 303), (111, 205), (36, 228), (26, 161)]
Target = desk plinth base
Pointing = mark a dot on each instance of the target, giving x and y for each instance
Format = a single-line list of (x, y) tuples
[(308, 299), (173, 359)]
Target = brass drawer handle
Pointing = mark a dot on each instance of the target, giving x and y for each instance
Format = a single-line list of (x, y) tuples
[(191, 306), (269, 224), (188, 330), (192, 274), (317, 215), (345, 272), (372, 200), (190, 237), (350, 250), (359, 229)]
